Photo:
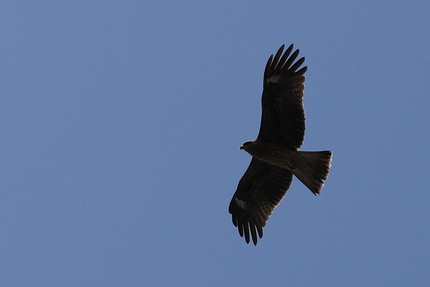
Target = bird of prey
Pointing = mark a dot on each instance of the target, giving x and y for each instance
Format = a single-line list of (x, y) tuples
[(275, 154)]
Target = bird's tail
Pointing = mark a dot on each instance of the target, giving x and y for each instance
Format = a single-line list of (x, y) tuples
[(312, 168)]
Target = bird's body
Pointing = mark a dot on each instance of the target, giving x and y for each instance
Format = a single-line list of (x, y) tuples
[(298, 162), (275, 151)]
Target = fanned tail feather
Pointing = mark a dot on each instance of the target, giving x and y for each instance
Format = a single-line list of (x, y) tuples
[(312, 168)]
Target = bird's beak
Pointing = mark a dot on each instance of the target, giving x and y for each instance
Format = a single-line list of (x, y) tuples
[(241, 147)]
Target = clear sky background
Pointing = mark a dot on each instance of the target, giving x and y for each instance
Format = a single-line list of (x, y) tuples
[(121, 123)]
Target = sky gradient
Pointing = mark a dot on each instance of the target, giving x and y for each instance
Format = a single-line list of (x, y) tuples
[(121, 123)]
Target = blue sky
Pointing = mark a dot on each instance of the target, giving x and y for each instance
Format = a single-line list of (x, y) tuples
[(121, 123)]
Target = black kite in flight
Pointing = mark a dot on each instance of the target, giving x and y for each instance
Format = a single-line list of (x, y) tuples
[(275, 155)]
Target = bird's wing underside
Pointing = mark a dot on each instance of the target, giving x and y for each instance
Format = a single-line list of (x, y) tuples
[(283, 118), (260, 190)]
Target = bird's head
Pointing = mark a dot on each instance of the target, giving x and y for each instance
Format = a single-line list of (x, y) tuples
[(247, 145)]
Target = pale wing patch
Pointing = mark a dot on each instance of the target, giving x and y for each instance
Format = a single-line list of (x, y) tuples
[(273, 79), (240, 203)]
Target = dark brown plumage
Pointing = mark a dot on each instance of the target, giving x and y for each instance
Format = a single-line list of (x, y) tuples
[(275, 151)]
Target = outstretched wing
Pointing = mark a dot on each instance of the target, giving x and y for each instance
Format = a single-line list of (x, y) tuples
[(283, 118), (260, 190)]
